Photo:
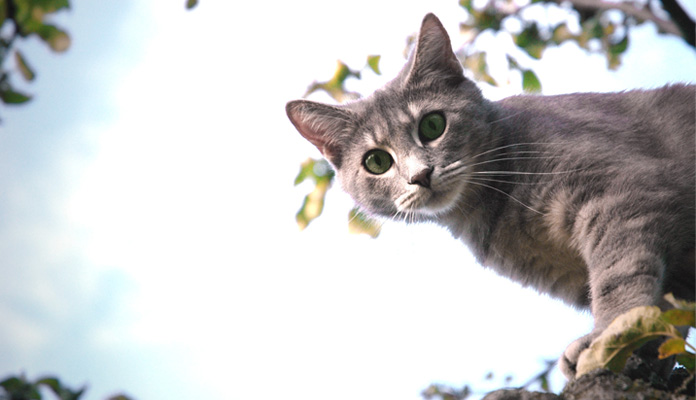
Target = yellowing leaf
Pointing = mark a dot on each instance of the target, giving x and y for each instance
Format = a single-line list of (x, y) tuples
[(671, 347), (24, 67), (679, 317), (373, 63), (321, 173), (359, 223), (680, 304), (622, 337)]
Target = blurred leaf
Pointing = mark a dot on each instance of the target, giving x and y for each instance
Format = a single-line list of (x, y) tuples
[(680, 304), (671, 346), (19, 388), (9, 96), (57, 39), (359, 223), (476, 63), (190, 4), (530, 82), (619, 47), (688, 360), (63, 392), (467, 4), (24, 67), (622, 337), (373, 63), (313, 205), (561, 33), (335, 86), (679, 317), (530, 41)]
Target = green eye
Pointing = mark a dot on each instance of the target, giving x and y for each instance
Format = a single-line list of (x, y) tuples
[(377, 161), (431, 127)]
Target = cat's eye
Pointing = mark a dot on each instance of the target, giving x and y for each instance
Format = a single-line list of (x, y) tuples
[(377, 161), (431, 127)]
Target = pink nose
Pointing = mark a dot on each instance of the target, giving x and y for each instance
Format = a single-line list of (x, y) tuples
[(422, 178)]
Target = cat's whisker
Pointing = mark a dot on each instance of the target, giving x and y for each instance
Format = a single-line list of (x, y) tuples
[(506, 194), (514, 145), (486, 179), (505, 173), (511, 159)]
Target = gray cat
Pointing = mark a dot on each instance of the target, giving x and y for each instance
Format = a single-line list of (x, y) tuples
[(587, 197)]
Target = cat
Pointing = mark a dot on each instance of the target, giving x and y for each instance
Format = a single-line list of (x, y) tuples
[(589, 198)]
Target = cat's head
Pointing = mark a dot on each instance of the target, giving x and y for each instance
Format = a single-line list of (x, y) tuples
[(400, 152)]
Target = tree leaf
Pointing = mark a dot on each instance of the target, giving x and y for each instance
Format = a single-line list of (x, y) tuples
[(688, 360), (58, 40), (671, 347), (680, 304), (190, 4), (335, 86), (530, 82), (622, 337), (9, 96), (24, 67), (679, 317), (321, 173), (359, 223), (373, 63)]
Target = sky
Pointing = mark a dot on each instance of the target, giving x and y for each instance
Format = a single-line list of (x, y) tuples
[(147, 235)]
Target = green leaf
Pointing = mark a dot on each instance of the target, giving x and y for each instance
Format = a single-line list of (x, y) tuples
[(190, 4), (530, 41), (530, 82), (313, 205), (476, 63), (688, 360), (57, 39), (620, 47), (9, 96), (24, 67), (679, 317), (671, 347), (373, 63), (622, 337), (561, 33), (335, 86), (359, 223)]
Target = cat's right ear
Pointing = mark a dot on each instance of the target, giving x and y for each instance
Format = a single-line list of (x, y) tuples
[(322, 124)]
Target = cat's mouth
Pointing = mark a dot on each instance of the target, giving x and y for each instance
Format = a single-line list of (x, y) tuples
[(428, 202)]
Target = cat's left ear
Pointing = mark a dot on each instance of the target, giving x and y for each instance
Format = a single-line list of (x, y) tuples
[(321, 124), (433, 58)]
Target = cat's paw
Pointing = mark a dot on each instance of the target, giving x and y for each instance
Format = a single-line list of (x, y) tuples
[(569, 360)]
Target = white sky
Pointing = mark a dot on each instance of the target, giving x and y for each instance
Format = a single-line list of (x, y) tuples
[(147, 230)]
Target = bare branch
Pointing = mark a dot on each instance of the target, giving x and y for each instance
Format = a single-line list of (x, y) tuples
[(640, 14)]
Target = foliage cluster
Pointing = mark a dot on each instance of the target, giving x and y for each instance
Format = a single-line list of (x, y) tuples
[(596, 26), (25, 19), (20, 388)]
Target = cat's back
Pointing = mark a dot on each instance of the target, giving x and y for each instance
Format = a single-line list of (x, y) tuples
[(655, 124)]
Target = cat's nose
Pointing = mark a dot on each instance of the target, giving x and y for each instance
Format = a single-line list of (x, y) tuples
[(422, 177)]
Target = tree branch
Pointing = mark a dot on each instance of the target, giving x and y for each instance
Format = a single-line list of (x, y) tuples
[(640, 14), (682, 20)]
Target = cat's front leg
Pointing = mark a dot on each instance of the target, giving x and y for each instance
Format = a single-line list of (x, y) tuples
[(626, 267)]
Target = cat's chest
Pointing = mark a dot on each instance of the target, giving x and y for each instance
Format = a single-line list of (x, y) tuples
[(524, 248)]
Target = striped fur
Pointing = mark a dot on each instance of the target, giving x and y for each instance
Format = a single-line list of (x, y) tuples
[(589, 198)]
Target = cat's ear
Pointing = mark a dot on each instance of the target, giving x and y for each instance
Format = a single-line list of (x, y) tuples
[(322, 124), (433, 58)]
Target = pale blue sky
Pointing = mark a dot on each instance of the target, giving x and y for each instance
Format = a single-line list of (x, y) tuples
[(147, 234)]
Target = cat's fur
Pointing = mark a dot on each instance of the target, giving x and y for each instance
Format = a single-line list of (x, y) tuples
[(587, 197)]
